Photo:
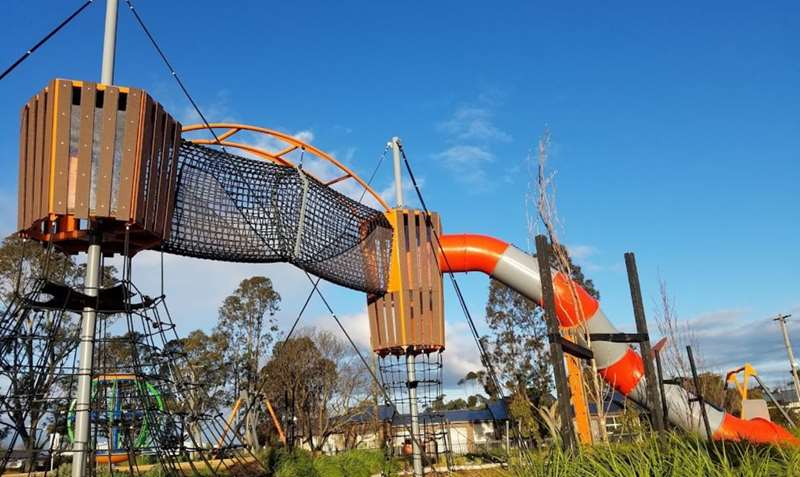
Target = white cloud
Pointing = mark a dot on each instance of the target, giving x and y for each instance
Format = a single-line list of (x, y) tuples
[(581, 252), (216, 111), (470, 123), (728, 338), (471, 132), (466, 162)]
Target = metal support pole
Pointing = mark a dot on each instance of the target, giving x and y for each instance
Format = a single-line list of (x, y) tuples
[(398, 172), (774, 401), (556, 352), (109, 43), (81, 447), (782, 320), (414, 414), (411, 361), (699, 398), (653, 398)]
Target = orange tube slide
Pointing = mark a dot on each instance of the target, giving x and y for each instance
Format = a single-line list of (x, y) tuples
[(618, 363)]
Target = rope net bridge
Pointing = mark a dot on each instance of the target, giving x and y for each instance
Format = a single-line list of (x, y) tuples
[(243, 210)]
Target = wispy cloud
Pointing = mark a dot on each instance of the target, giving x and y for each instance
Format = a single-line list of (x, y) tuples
[(728, 338), (467, 162), (216, 110), (471, 132), (470, 123), (581, 252)]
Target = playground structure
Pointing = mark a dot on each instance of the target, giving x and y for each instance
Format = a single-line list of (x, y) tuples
[(106, 170), (117, 413)]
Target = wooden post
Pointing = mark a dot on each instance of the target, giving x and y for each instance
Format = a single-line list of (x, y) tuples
[(556, 352), (653, 398)]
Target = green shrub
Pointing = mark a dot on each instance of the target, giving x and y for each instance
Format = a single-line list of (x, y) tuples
[(294, 463)]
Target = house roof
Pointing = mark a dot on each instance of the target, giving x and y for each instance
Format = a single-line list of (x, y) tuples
[(494, 411)]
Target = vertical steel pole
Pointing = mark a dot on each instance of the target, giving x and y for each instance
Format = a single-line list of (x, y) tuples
[(398, 172), (81, 447), (782, 320), (109, 43), (414, 412), (641, 327), (556, 351), (411, 362)]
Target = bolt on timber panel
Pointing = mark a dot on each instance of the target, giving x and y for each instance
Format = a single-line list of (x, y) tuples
[(96, 153), (410, 315)]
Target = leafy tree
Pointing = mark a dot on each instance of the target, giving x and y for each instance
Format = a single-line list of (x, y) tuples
[(248, 327), (317, 383), (201, 371)]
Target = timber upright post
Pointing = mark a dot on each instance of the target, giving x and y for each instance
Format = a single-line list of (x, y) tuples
[(653, 397), (411, 361), (556, 350), (81, 447)]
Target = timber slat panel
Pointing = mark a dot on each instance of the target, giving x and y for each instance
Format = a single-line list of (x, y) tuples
[(106, 153), (423, 255), (402, 312), (30, 154), (165, 170), (83, 177), (144, 164), (438, 290), (106, 156), (169, 204), (23, 162), (412, 314), (48, 149), (154, 168), (129, 156), (373, 323), (61, 151), (38, 156)]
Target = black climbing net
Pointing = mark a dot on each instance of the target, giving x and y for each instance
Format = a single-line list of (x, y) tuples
[(433, 436), (243, 210), (149, 402)]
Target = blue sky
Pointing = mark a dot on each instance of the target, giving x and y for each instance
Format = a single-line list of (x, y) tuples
[(675, 133)]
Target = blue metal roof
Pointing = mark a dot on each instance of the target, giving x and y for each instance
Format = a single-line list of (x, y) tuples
[(495, 411)]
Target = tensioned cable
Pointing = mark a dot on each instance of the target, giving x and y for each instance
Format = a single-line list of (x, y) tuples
[(374, 172), (191, 100), (44, 40), (487, 362), (481, 349), (364, 361)]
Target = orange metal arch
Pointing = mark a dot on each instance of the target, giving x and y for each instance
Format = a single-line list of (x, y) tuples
[(278, 157)]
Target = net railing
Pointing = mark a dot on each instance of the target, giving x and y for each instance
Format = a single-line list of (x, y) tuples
[(237, 209)]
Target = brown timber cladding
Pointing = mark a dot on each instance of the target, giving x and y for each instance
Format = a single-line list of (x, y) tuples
[(411, 312), (92, 152)]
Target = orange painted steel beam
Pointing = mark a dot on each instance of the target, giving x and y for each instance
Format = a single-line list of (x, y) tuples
[(578, 393), (292, 144), (275, 421)]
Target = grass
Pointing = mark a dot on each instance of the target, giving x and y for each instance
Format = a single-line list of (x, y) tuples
[(669, 455), (666, 455)]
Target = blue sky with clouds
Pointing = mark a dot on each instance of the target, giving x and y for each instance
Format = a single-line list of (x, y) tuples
[(675, 133)]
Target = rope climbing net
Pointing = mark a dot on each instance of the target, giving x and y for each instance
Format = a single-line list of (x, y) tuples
[(236, 209), (149, 402)]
